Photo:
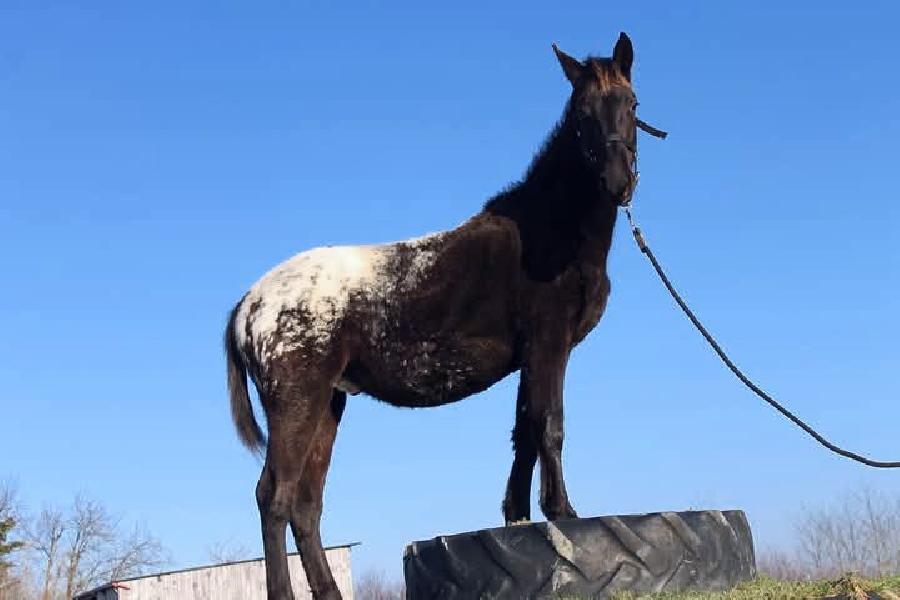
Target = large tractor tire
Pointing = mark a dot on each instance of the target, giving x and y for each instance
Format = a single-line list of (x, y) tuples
[(585, 558)]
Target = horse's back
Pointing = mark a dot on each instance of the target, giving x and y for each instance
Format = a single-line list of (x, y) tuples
[(412, 310), (302, 301)]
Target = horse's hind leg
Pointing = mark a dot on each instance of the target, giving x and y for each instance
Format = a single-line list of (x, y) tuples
[(293, 415), (273, 513), (517, 503), (306, 513)]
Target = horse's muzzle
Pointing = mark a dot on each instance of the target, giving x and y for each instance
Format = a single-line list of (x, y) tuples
[(620, 188)]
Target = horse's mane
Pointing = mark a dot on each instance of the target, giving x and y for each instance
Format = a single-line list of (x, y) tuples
[(607, 75)]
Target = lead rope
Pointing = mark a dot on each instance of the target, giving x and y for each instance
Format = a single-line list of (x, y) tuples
[(642, 244)]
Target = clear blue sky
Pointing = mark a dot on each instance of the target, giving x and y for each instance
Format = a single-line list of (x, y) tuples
[(156, 160)]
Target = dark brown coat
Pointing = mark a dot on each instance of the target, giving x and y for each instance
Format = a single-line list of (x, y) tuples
[(430, 321)]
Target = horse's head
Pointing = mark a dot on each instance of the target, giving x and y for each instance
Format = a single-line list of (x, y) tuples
[(603, 110)]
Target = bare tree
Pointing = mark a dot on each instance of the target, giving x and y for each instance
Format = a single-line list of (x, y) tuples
[(21, 586), (781, 565), (227, 551), (860, 532), (86, 546), (881, 530), (44, 536), (373, 585), (91, 530), (132, 554)]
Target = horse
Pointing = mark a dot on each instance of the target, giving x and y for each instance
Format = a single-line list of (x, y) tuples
[(429, 321)]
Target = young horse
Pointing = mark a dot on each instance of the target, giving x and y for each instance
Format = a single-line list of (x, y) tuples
[(435, 319)]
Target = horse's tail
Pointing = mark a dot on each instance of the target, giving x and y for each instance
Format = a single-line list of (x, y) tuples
[(241, 409)]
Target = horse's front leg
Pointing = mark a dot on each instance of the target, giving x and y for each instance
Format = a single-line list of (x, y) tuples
[(543, 371)]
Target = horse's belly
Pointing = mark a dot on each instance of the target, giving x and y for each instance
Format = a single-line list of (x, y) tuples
[(430, 373)]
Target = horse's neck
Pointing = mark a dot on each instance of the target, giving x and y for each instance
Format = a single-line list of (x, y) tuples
[(597, 228), (559, 199)]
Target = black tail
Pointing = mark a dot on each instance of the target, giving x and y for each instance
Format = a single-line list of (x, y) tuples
[(241, 409)]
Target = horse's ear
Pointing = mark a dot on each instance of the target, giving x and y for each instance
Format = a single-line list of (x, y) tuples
[(573, 69), (623, 55)]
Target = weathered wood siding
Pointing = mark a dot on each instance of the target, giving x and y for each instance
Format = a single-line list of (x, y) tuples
[(233, 581)]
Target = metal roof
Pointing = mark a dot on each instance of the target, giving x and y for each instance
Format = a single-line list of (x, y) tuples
[(113, 584)]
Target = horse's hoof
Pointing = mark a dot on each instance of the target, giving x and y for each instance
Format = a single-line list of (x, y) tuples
[(558, 515), (519, 522)]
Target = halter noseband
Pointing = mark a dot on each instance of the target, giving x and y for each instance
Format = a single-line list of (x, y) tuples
[(616, 139)]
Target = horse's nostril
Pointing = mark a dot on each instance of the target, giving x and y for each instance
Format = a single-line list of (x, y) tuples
[(618, 182)]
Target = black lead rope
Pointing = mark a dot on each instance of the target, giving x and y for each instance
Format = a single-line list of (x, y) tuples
[(642, 244)]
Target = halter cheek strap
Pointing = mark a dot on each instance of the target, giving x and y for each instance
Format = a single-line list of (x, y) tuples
[(652, 130)]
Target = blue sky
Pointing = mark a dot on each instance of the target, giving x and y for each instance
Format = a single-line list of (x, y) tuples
[(155, 160)]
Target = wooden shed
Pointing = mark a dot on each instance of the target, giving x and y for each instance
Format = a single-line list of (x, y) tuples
[(241, 580)]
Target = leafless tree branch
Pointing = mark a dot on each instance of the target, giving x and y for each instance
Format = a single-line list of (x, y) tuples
[(45, 536), (373, 585), (227, 551), (85, 546), (859, 532)]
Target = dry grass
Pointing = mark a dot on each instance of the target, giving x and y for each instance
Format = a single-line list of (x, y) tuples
[(849, 587)]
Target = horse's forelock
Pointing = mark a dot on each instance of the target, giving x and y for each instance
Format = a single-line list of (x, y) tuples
[(607, 73)]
